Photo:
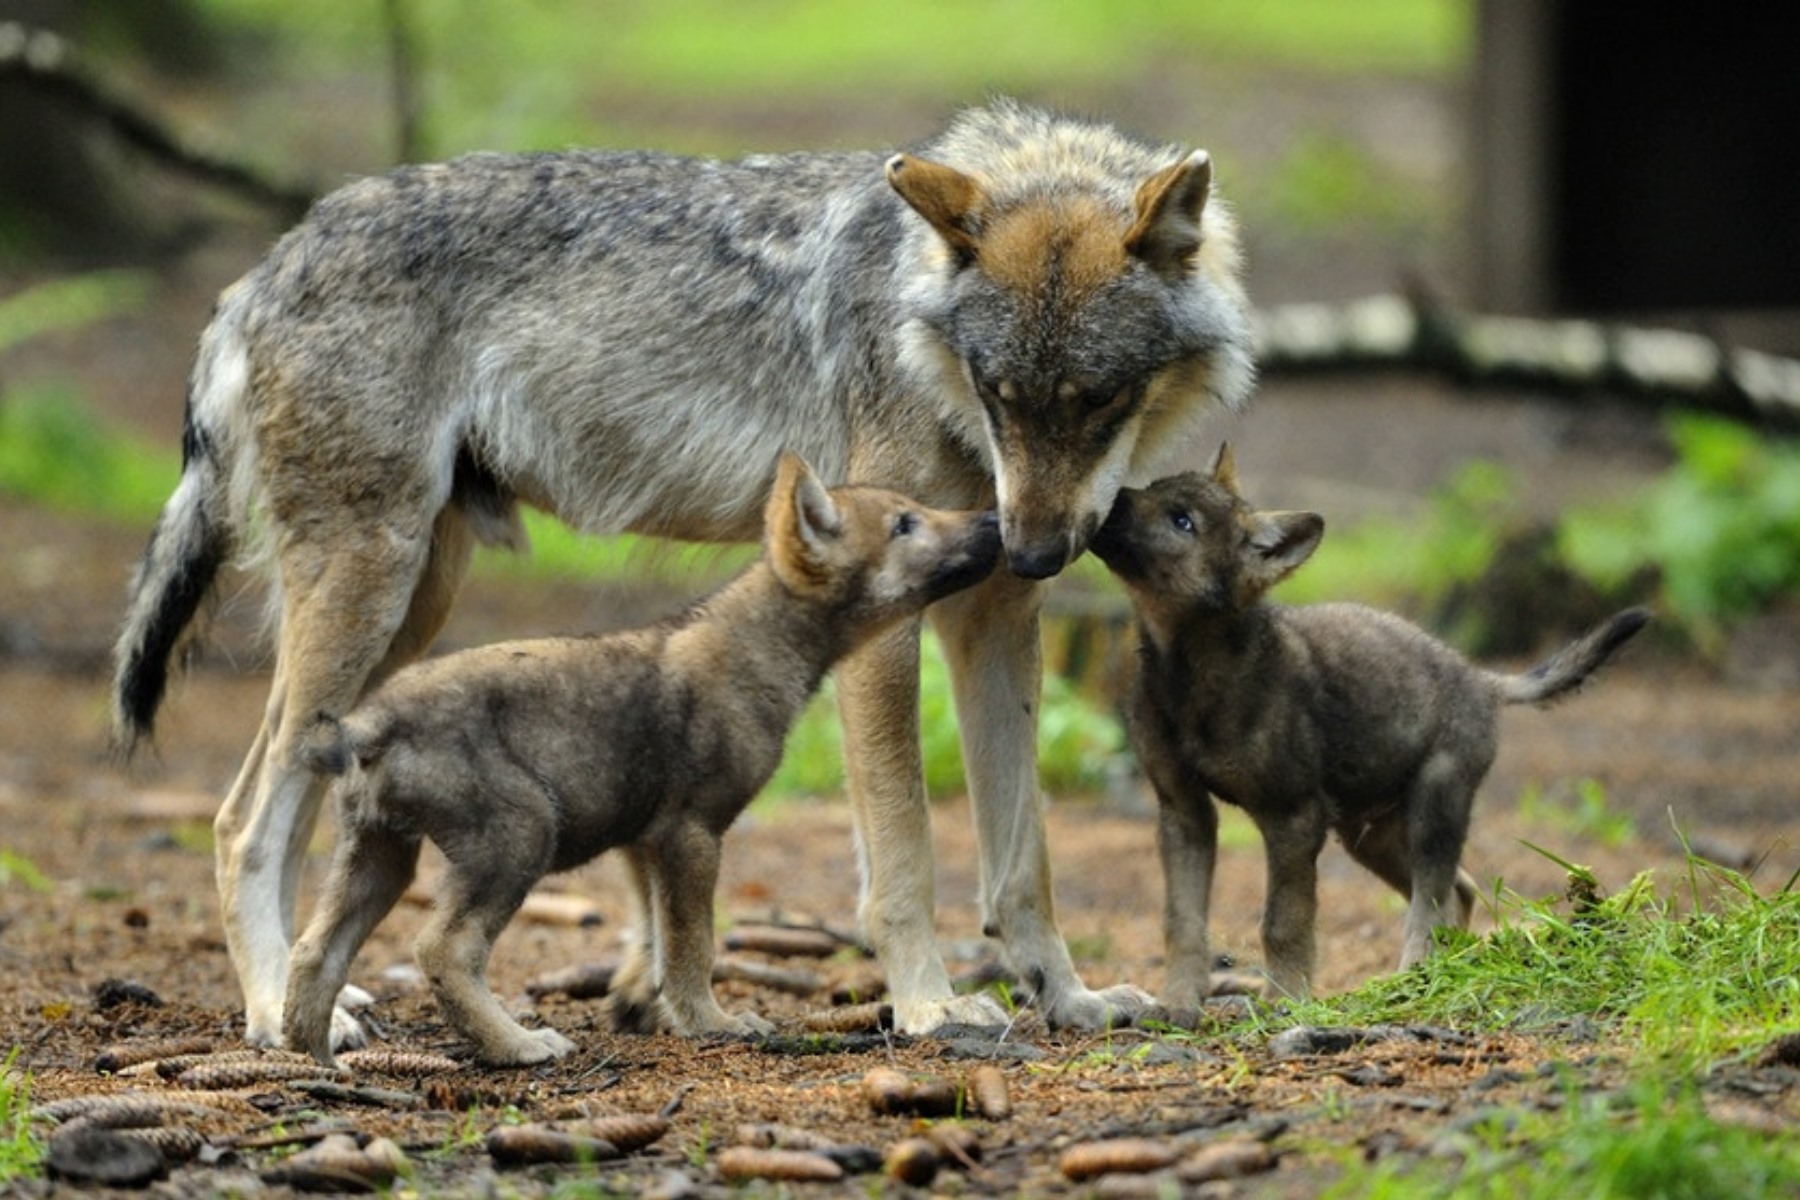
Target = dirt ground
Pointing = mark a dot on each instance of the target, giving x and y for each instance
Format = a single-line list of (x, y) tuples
[(1706, 747)]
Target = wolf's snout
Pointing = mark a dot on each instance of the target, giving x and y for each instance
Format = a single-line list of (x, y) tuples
[(1038, 562)]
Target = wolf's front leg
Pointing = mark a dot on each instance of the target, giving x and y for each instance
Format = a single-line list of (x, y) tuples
[(878, 700), (990, 637), (1187, 838)]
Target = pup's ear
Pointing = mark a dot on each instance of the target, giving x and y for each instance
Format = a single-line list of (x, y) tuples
[(802, 521), (1224, 469), (944, 196), (1280, 542), (1166, 234)]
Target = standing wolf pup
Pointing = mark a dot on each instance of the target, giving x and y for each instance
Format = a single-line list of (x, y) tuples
[(524, 758), (1328, 717), (1020, 313)]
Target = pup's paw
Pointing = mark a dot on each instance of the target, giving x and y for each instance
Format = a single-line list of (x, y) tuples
[(927, 1016), (347, 1032), (1108, 1008), (530, 1047)]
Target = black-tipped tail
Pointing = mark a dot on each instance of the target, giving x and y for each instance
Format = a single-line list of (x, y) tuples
[(1570, 667), (172, 585)]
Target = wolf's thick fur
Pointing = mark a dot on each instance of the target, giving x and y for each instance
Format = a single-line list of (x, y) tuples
[(1024, 311), (1328, 717), (523, 758)]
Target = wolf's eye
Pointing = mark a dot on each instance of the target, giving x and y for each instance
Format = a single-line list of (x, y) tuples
[(904, 524), (1181, 520)]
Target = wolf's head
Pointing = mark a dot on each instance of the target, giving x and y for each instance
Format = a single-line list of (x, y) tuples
[(1189, 545), (874, 554), (1078, 300)]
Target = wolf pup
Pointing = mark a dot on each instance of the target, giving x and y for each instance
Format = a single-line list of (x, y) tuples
[(523, 758), (1019, 313), (1328, 717)]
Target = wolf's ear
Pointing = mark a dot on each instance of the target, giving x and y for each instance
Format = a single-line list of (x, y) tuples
[(1166, 234), (944, 196), (801, 520), (1224, 469), (1280, 542)]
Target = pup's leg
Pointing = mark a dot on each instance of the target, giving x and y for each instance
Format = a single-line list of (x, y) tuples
[(990, 638), (631, 1004), (1385, 847), (1292, 841), (453, 952), (1187, 837), (370, 869), (684, 866), (1437, 822), (355, 605)]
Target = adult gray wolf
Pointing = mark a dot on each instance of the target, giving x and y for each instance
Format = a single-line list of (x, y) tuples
[(1019, 313), (1327, 717), (524, 758)]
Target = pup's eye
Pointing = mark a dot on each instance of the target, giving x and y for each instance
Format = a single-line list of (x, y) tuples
[(904, 524), (1180, 520), (1095, 401)]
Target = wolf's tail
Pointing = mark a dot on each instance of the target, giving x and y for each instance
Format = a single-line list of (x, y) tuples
[(194, 536), (1569, 667)]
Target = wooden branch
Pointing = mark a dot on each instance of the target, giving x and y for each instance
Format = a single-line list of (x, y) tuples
[(1569, 357), (41, 59)]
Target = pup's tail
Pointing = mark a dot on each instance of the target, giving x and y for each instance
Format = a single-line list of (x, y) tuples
[(193, 538), (1569, 667)]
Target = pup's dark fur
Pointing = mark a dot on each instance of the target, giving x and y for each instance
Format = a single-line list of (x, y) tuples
[(1329, 717), (524, 758)]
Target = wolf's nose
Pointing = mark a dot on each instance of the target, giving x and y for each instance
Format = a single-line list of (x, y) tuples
[(1039, 563)]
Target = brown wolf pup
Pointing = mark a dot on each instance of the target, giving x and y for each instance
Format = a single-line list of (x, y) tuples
[(1019, 313), (1327, 717), (524, 758)]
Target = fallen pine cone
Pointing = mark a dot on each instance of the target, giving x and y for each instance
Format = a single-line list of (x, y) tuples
[(955, 1143), (524, 1145), (1229, 1159), (338, 1164), (769, 1135), (912, 1161), (176, 1143), (224, 1076), (891, 1092), (872, 1017), (176, 1065), (792, 1166), (1136, 1156), (116, 1058), (408, 1063), (629, 1132), (989, 1094)]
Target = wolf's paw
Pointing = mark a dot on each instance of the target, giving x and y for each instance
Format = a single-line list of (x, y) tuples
[(347, 1033), (1108, 1008), (748, 1024), (926, 1016), (351, 996), (531, 1047)]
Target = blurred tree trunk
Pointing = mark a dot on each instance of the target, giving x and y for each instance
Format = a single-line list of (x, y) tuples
[(60, 189)]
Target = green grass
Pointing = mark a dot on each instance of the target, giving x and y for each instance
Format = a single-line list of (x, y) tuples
[(21, 1154), (1689, 973), (1646, 1145)]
